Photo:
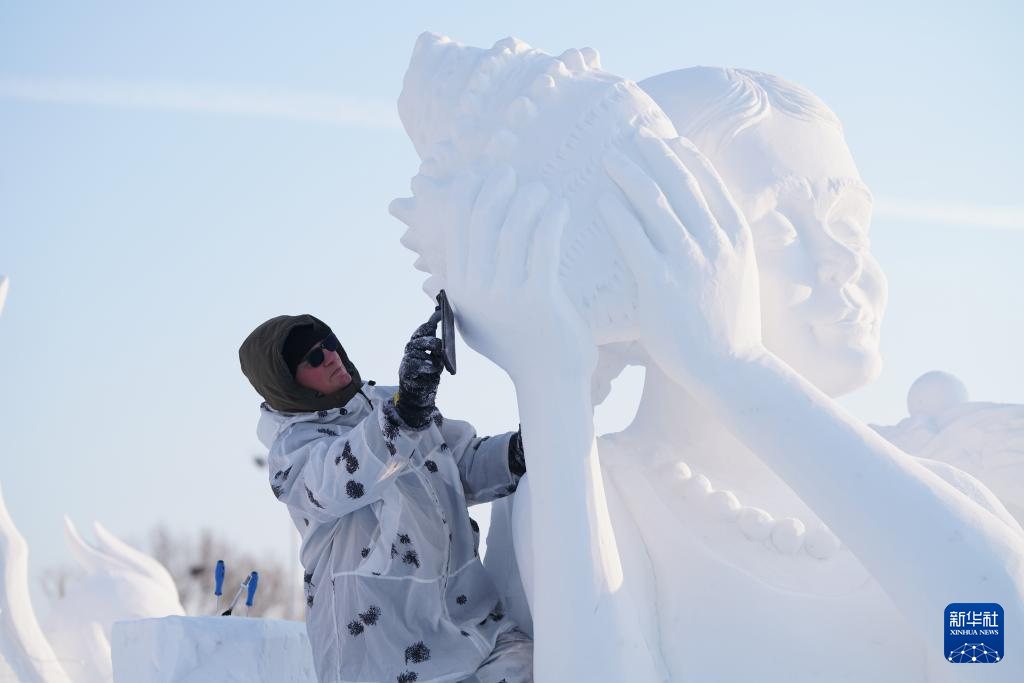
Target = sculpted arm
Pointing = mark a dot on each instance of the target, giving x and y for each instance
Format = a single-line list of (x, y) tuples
[(691, 252), (503, 281)]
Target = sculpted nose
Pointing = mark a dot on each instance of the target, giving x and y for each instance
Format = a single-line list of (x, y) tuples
[(838, 263)]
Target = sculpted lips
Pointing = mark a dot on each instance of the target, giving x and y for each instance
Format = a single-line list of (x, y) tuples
[(839, 308), (854, 317), (840, 314), (848, 323)]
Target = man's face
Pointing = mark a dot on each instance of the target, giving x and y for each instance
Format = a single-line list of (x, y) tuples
[(328, 377), (822, 293)]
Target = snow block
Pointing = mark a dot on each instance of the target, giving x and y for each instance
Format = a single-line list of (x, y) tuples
[(211, 650)]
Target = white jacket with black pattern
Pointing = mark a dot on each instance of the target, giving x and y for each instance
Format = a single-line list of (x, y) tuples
[(395, 590)]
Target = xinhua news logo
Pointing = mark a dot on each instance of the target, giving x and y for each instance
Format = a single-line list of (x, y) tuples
[(974, 633)]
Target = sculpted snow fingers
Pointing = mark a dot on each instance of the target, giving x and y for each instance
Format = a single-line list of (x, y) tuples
[(505, 271)]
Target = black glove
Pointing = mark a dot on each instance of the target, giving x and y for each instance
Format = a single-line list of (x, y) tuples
[(419, 375), (516, 457)]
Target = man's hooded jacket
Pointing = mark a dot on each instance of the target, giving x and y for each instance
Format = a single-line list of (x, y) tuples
[(263, 363), (395, 589)]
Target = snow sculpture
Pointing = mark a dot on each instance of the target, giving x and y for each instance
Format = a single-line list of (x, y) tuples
[(23, 646), (24, 650), (983, 439), (119, 582), (742, 500)]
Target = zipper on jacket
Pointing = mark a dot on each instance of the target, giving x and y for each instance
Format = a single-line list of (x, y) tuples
[(444, 521), (481, 644), (366, 397)]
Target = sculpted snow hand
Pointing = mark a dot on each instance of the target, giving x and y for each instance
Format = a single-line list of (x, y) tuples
[(502, 277), (692, 255)]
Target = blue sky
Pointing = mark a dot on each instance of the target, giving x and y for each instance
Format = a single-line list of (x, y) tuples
[(170, 177)]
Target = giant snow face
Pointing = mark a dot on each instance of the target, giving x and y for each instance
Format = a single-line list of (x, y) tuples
[(781, 153), (822, 292)]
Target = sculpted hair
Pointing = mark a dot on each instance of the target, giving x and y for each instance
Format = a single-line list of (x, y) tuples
[(713, 105)]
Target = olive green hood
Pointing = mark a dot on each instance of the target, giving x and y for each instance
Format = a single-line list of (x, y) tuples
[(264, 366)]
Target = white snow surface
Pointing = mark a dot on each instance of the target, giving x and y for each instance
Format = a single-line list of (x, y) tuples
[(211, 650)]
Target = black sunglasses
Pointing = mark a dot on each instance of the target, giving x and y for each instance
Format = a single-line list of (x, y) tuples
[(316, 355)]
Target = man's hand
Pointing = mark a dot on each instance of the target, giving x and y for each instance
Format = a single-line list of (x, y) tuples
[(419, 374)]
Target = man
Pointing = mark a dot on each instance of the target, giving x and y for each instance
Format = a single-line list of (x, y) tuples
[(378, 484)]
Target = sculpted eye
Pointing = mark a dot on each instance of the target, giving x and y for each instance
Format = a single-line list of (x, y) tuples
[(848, 221), (774, 231), (850, 233)]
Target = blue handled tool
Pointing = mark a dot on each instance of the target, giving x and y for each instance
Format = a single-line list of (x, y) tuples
[(218, 576), (254, 580)]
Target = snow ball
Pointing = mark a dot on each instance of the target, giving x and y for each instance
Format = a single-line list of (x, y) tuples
[(934, 392), (821, 543), (681, 471), (696, 487), (788, 535), (724, 505), (755, 523)]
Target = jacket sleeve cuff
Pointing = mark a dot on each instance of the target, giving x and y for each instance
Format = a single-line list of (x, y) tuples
[(516, 456), (399, 437), (392, 405)]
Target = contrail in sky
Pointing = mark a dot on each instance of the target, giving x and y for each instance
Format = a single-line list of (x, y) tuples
[(292, 105), (950, 213), (320, 107), (3, 291)]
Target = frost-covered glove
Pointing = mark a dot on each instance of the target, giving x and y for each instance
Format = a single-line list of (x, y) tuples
[(419, 375), (516, 457)]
